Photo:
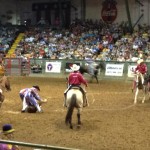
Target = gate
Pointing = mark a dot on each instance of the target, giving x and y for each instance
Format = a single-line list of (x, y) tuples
[(16, 67)]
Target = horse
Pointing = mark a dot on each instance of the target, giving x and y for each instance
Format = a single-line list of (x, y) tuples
[(4, 86), (92, 69), (74, 99), (140, 86)]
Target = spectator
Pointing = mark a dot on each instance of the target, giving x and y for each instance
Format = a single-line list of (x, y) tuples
[(8, 134)]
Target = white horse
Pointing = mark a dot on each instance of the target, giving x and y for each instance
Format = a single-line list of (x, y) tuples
[(74, 99), (140, 86)]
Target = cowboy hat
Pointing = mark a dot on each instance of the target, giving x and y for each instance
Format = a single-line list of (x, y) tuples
[(75, 67), (37, 87), (140, 61), (7, 128)]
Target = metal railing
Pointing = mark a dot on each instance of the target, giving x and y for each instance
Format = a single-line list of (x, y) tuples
[(36, 145)]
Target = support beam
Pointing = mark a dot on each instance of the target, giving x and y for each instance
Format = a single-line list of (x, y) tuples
[(83, 10), (138, 20), (139, 3), (128, 15)]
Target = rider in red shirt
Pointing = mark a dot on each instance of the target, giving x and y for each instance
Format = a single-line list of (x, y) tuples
[(141, 68), (76, 79)]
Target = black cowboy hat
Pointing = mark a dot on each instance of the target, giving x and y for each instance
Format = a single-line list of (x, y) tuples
[(37, 87)]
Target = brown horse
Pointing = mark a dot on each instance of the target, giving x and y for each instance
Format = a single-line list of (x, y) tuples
[(4, 86)]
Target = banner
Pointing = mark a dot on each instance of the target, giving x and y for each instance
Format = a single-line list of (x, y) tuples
[(54, 67), (131, 69), (114, 69)]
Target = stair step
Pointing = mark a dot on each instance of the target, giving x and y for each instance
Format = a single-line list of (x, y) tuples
[(14, 46)]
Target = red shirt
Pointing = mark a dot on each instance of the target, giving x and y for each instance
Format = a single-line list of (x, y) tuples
[(76, 78), (142, 68)]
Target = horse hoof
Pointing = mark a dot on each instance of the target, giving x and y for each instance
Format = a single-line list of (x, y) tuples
[(71, 127), (78, 126)]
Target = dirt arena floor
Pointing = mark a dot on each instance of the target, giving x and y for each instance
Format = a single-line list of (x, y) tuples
[(111, 122)]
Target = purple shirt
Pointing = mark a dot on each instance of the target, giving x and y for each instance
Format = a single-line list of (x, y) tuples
[(7, 147)]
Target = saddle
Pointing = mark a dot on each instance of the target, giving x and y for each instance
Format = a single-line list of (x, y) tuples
[(75, 87)]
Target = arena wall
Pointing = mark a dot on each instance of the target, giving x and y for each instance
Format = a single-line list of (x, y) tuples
[(59, 69)]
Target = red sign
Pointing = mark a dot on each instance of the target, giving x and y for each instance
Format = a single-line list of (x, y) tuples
[(109, 11)]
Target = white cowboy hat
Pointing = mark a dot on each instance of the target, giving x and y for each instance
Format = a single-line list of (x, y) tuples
[(140, 61), (75, 67)]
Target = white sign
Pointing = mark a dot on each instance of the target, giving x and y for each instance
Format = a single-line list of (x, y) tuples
[(114, 69), (54, 67), (131, 70)]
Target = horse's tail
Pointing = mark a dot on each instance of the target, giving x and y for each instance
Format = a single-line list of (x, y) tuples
[(71, 108)]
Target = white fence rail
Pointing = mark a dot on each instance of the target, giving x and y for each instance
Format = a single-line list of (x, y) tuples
[(36, 145)]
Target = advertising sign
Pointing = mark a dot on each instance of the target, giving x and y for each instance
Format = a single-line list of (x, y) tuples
[(131, 69), (54, 67), (114, 69), (109, 11)]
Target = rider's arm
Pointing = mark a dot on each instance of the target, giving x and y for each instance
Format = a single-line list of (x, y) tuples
[(36, 95), (136, 69), (82, 80)]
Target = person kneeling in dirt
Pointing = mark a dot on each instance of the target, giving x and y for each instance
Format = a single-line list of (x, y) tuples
[(30, 97), (76, 79)]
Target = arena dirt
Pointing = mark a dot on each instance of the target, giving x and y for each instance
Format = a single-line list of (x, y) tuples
[(111, 122)]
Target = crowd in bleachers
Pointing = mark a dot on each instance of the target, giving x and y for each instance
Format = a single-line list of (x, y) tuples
[(7, 36), (87, 40)]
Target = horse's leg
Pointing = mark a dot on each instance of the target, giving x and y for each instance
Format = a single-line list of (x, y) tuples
[(145, 90), (70, 122), (91, 80), (96, 78), (143, 100), (148, 90), (78, 116), (136, 94)]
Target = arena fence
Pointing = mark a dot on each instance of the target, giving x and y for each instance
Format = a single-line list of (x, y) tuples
[(58, 68), (36, 145)]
